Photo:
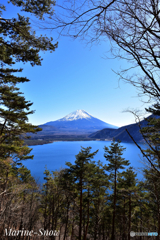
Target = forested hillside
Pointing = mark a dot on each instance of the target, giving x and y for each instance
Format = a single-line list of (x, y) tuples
[(87, 200), (121, 134)]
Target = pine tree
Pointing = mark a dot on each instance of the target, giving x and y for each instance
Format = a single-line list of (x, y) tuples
[(151, 134), (127, 189), (18, 43), (152, 186), (114, 156), (79, 173), (98, 185)]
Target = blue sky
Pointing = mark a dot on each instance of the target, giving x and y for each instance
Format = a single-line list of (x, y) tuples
[(76, 76)]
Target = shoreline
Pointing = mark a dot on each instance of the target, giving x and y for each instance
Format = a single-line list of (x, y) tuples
[(43, 142)]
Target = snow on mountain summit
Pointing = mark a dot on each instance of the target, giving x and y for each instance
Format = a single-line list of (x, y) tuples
[(79, 120), (79, 114)]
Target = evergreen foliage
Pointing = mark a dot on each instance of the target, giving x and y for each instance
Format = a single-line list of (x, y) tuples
[(81, 173), (82, 196), (151, 134), (19, 193), (116, 162), (18, 43)]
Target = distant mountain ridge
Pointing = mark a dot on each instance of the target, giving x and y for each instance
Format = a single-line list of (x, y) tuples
[(81, 126), (78, 120), (121, 133)]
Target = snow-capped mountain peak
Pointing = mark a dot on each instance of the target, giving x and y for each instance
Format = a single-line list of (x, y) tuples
[(79, 114), (79, 121)]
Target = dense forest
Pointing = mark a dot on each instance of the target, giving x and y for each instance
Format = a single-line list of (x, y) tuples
[(86, 200)]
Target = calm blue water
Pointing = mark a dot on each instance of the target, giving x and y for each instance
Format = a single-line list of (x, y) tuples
[(54, 155)]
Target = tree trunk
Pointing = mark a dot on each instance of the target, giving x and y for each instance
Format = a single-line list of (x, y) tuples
[(66, 220), (158, 221), (85, 236), (103, 232), (53, 211), (80, 211), (129, 227), (96, 222), (124, 228), (22, 213), (114, 207), (157, 198), (73, 223)]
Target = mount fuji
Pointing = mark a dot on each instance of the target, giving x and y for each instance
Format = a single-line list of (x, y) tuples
[(78, 121), (76, 126)]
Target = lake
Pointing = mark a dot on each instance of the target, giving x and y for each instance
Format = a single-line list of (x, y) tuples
[(54, 155)]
